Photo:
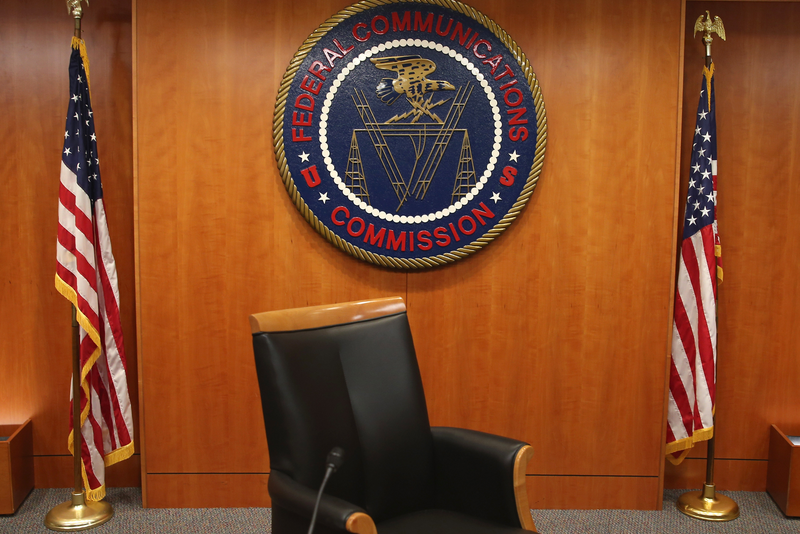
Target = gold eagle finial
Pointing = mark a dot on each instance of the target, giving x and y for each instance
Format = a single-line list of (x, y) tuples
[(709, 27), (74, 8)]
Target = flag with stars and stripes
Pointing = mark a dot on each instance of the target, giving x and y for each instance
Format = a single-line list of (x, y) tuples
[(693, 370), (87, 276)]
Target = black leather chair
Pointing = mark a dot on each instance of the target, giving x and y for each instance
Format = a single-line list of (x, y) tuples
[(346, 375)]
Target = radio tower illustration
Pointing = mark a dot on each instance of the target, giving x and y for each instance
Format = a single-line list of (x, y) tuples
[(354, 175), (465, 174), (420, 125)]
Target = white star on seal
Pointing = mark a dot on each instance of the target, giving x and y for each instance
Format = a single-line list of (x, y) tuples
[(303, 156), (496, 197), (323, 197), (514, 156)]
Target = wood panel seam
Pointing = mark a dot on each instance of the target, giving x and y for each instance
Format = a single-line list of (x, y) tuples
[(136, 244)]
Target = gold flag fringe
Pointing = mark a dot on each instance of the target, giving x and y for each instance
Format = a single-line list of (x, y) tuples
[(80, 44), (708, 72)]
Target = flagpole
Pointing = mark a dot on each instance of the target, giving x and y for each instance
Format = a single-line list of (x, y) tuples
[(706, 504), (77, 513)]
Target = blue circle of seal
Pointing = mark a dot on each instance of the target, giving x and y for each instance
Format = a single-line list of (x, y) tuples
[(409, 133)]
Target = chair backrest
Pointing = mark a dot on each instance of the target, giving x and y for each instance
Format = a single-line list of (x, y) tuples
[(347, 375)]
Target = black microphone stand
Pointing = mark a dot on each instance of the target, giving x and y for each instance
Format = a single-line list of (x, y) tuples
[(333, 462)]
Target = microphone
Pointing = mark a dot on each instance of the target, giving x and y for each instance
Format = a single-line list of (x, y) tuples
[(332, 463)]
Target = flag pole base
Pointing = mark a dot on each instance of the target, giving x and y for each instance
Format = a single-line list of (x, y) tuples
[(78, 514), (707, 505)]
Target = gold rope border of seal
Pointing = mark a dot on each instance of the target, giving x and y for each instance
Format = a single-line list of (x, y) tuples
[(430, 261)]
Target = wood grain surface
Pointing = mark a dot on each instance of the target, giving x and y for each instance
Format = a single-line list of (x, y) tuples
[(208, 490), (16, 465), (57, 472), (325, 315), (593, 493), (555, 334), (783, 473), (219, 237), (729, 475)]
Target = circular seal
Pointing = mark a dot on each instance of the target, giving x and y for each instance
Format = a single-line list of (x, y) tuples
[(410, 133)]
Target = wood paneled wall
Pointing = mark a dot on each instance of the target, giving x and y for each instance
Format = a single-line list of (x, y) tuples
[(219, 238), (758, 113), (556, 334), (35, 324)]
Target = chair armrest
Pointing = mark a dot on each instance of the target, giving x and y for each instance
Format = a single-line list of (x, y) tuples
[(482, 475), (333, 512)]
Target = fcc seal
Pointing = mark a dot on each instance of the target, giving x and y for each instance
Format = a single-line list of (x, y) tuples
[(410, 134)]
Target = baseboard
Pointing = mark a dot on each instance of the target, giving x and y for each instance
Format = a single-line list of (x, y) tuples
[(593, 492), (234, 490), (207, 490), (58, 472), (731, 475)]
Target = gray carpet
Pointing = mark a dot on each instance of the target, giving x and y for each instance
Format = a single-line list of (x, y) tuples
[(759, 514)]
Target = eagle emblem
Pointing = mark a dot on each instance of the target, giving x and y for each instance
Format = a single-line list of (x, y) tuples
[(411, 81), (709, 27), (412, 72)]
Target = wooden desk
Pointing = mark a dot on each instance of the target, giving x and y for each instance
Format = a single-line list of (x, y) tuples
[(783, 472), (16, 465)]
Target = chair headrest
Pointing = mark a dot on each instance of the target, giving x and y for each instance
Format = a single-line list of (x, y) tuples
[(325, 315)]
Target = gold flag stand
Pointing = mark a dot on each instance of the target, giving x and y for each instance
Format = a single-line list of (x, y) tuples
[(706, 504), (78, 513)]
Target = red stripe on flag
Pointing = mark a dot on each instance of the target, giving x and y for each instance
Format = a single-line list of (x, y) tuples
[(105, 407), (704, 342), (83, 304), (66, 275), (707, 351), (96, 429), (112, 311), (684, 328), (119, 419), (91, 476), (82, 265), (116, 352), (97, 382), (82, 221), (679, 394), (86, 351), (66, 238)]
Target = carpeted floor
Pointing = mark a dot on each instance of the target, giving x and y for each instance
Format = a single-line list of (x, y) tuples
[(759, 514)]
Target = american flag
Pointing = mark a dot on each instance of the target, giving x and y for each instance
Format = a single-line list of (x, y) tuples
[(692, 383), (87, 276)]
